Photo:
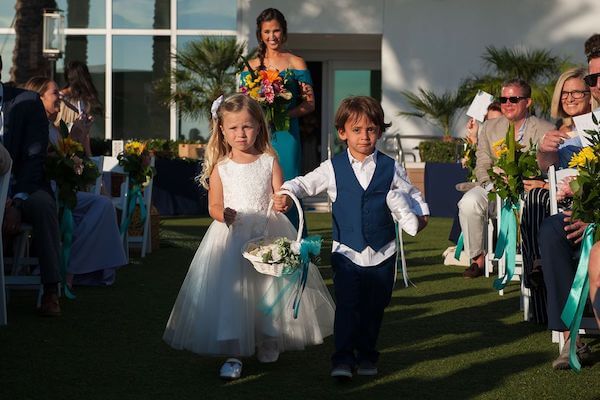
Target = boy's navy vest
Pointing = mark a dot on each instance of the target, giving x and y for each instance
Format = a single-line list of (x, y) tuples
[(361, 217)]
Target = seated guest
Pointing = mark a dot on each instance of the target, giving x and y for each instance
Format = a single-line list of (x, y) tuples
[(592, 51), (30, 199), (515, 101), (571, 98), (560, 236), (97, 250)]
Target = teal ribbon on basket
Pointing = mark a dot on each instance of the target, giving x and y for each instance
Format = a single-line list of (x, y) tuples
[(310, 246), (67, 225), (507, 242), (135, 196), (573, 310), (460, 244)]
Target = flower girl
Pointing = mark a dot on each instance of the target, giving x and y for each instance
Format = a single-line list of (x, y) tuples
[(225, 307)]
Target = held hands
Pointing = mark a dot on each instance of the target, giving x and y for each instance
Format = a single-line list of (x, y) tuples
[(281, 202), (229, 215), (574, 229), (564, 189), (552, 140)]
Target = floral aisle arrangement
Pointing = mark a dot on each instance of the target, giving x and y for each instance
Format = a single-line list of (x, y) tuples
[(469, 160), (72, 171), (513, 165), (268, 87), (585, 188), (136, 162)]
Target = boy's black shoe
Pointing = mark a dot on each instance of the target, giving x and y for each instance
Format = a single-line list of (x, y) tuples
[(473, 271)]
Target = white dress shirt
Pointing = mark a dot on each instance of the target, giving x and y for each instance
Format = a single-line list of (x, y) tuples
[(323, 179)]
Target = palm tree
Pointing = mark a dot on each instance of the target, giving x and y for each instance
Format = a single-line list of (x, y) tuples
[(438, 109), (205, 69), (539, 68), (27, 55)]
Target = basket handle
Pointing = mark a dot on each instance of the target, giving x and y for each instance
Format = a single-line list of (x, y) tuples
[(298, 208)]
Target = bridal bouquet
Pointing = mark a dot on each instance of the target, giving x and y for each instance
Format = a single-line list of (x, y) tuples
[(513, 165), (268, 87), (70, 169)]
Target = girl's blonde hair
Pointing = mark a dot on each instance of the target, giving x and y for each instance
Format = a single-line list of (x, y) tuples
[(556, 108), (218, 148)]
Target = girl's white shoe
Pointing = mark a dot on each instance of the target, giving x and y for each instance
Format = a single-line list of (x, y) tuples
[(231, 369)]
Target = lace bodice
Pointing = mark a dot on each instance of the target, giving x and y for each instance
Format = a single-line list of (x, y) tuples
[(247, 187)]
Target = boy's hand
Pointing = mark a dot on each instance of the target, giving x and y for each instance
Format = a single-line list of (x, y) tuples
[(281, 202), (423, 220), (229, 215)]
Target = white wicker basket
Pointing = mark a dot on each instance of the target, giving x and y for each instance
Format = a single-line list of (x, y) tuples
[(271, 268)]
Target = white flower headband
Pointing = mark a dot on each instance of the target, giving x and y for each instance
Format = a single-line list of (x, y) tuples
[(215, 107)]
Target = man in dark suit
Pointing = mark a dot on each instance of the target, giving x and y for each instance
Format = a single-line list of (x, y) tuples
[(24, 133)]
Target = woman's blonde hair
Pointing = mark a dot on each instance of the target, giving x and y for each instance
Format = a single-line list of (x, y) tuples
[(556, 108), (218, 148)]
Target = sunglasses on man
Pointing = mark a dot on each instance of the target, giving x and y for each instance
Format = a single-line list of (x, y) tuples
[(591, 79), (512, 99)]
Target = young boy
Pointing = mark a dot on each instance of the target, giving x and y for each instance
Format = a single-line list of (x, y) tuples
[(368, 190)]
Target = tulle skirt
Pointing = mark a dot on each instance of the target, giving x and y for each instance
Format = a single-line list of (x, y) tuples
[(225, 307)]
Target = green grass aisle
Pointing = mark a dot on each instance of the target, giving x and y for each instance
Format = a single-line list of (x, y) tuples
[(445, 338)]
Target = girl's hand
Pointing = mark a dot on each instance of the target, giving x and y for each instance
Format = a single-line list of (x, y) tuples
[(281, 202), (229, 215)]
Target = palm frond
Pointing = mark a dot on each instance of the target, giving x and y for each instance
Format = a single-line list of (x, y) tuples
[(438, 109)]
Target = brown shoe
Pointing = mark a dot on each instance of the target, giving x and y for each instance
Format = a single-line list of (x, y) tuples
[(473, 271), (50, 306)]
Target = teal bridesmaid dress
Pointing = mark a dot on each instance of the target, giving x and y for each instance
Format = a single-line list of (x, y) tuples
[(287, 143)]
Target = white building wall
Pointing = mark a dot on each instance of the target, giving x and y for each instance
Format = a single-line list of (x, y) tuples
[(434, 44)]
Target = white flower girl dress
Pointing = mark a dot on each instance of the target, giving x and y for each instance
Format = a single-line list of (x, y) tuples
[(220, 309)]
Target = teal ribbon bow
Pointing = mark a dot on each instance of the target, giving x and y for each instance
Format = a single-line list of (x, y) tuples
[(460, 244), (507, 242), (135, 197), (311, 246), (573, 310), (67, 226)]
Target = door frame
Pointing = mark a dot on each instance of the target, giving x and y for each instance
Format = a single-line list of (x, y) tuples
[(328, 108)]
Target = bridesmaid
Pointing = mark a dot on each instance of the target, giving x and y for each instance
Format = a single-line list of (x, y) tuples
[(271, 33)]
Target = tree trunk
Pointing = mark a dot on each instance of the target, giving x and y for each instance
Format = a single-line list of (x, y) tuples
[(28, 60)]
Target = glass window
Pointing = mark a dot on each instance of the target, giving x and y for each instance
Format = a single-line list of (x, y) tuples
[(197, 129), (206, 14), (141, 14), (139, 61), (91, 51), (7, 13), (83, 13), (7, 45)]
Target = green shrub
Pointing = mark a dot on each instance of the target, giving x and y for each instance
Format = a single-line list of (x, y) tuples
[(440, 151)]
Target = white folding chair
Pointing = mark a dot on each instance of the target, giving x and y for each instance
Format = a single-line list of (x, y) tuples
[(4, 183), (588, 324), (145, 240), (492, 259), (111, 165)]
